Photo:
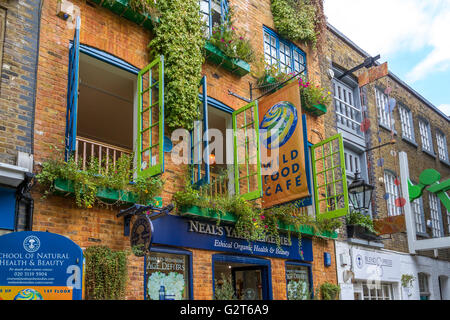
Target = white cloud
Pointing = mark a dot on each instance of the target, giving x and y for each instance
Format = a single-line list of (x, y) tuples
[(445, 108), (391, 26)]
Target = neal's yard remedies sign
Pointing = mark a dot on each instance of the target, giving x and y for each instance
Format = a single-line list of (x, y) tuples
[(39, 266), (282, 147), (210, 236)]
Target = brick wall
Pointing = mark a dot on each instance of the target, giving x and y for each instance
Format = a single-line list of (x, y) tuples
[(342, 54), (18, 41), (99, 226)]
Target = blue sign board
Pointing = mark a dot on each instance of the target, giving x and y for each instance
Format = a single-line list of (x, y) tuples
[(184, 232), (40, 266)]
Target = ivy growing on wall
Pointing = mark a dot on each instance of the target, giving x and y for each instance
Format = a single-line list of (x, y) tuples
[(179, 37), (106, 273), (295, 19)]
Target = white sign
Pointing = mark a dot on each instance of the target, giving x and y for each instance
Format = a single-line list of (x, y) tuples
[(376, 266)]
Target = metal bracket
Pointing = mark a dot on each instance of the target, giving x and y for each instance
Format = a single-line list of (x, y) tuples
[(138, 209), (368, 63)]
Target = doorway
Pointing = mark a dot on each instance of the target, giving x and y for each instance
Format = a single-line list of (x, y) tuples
[(250, 281)]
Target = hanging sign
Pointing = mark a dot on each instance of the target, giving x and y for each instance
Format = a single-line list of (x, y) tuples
[(390, 225), (373, 74), (141, 235), (282, 147), (40, 266)]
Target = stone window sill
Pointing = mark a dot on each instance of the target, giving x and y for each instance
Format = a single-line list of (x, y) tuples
[(387, 128), (411, 142), (446, 162), (430, 153)]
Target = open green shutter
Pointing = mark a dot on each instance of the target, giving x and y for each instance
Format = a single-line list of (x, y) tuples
[(150, 150), (200, 171), (330, 181), (247, 160)]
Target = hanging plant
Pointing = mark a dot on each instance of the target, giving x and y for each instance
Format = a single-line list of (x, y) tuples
[(329, 291), (295, 19), (179, 37), (106, 273), (230, 41)]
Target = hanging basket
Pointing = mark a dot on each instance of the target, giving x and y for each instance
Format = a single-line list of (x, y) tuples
[(314, 109)]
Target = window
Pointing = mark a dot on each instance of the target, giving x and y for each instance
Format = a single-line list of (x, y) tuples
[(442, 146), (282, 53), (213, 13), (384, 116), (424, 286), (391, 194), (298, 282), (2, 35), (436, 217), (407, 123), (448, 222), (348, 112), (353, 163), (168, 276), (8, 208), (419, 215), (425, 135), (382, 291)]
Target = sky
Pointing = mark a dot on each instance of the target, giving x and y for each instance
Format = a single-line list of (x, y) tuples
[(412, 35)]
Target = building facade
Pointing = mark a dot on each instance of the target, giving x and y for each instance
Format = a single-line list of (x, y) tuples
[(109, 52), (19, 38), (384, 111)]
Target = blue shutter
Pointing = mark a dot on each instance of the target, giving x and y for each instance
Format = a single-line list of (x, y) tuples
[(7, 208), (72, 93), (200, 170)]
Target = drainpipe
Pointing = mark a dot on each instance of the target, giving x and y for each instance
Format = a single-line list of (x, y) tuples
[(23, 196)]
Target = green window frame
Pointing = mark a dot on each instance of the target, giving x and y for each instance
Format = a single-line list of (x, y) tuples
[(149, 146), (328, 162), (248, 122)]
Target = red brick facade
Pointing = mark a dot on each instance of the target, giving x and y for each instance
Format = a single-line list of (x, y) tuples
[(106, 31)]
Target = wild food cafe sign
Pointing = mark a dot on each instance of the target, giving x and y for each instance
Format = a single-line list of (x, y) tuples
[(39, 266), (282, 147)]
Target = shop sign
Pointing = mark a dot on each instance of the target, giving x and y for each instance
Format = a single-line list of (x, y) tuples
[(373, 74), (141, 235), (182, 232), (40, 266), (282, 147), (375, 266)]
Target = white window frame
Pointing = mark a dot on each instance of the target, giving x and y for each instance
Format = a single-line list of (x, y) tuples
[(425, 135), (384, 117), (348, 110), (406, 120), (424, 285), (419, 215), (435, 216), (392, 190), (382, 291), (441, 141)]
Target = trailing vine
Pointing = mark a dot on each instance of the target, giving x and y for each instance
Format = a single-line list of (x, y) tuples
[(86, 183), (106, 273), (179, 37), (295, 19)]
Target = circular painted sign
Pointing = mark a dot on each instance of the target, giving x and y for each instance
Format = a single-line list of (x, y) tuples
[(279, 124), (141, 235)]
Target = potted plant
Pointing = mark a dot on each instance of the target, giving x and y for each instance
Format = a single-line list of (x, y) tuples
[(314, 99), (360, 226), (329, 291)]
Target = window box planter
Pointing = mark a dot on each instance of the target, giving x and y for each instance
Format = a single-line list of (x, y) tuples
[(361, 232), (317, 109), (123, 9), (106, 194), (235, 66), (211, 214)]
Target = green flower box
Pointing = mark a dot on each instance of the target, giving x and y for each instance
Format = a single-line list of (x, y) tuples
[(317, 109), (63, 186), (235, 66), (211, 214), (123, 9)]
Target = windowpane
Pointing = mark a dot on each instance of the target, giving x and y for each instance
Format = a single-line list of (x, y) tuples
[(406, 120), (167, 276), (298, 285), (348, 114), (442, 146), (425, 136), (392, 194), (436, 218), (384, 117), (417, 207)]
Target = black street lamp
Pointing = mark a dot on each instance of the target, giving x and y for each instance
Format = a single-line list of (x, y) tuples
[(360, 194)]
